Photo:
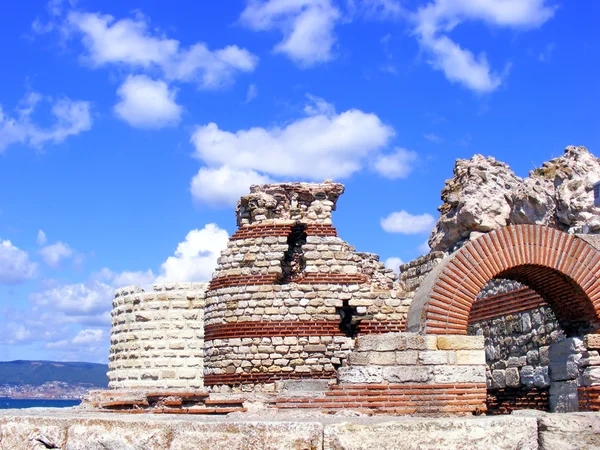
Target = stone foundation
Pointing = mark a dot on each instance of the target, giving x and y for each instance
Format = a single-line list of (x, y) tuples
[(76, 430), (405, 373)]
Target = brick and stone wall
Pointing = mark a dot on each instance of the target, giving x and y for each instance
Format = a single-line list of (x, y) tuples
[(406, 373), (289, 295), (157, 337)]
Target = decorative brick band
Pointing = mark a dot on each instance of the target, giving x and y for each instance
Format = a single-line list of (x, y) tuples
[(589, 398), (266, 230), (320, 229), (397, 398), (241, 280), (263, 377), (381, 326), (263, 230), (270, 329), (505, 401), (519, 300), (270, 279)]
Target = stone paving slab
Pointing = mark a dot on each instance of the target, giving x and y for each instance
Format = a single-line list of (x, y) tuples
[(76, 429)]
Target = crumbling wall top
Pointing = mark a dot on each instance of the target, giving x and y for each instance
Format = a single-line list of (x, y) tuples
[(486, 195), (289, 202)]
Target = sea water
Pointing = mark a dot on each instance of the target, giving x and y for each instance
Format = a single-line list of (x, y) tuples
[(18, 403)]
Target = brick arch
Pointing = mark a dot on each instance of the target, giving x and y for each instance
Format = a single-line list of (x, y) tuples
[(562, 268)]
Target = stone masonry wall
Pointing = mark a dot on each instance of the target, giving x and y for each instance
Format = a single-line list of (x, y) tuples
[(263, 329), (289, 295), (518, 327), (157, 337), (406, 373), (414, 272)]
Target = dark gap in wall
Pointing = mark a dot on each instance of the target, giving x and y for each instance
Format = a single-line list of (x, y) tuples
[(348, 325), (294, 263)]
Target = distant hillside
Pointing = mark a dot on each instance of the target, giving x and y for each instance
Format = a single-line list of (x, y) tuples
[(37, 373)]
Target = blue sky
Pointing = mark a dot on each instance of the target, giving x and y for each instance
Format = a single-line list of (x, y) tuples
[(129, 129)]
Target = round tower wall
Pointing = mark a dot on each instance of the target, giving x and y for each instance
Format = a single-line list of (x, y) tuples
[(157, 338), (289, 295)]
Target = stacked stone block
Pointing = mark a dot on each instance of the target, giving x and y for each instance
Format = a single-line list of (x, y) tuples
[(157, 338), (412, 358), (589, 370), (406, 373), (519, 327), (414, 272)]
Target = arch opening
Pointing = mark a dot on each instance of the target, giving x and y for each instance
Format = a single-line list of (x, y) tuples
[(562, 268), (562, 271), (519, 328), (570, 304)]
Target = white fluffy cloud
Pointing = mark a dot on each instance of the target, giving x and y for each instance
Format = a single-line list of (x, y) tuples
[(461, 65), (394, 263), (307, 27), (15, 266), (133, 43), (398, 164), (405, 223), (143, 279), (15, 333), (80, 312), (89, 302), (323, 145), (196, 257), (147, 103), (76, 300), (88, 335), (70, 117), (54, 254), (90, 344), (223, 186)]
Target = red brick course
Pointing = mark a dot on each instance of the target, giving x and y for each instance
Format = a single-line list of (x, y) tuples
[(421, 399), (561, 268), (270, 279), (297, 328), (266, 230), (270, 329), (589, 398), (381, 326), (519, 300), (505, 401), (237, 379)]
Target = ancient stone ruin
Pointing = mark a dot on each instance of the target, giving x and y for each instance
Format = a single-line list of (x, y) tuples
[(501, 315)]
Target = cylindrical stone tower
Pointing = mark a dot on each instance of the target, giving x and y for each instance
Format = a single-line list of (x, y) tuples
[(288, 294), (157, 338)]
